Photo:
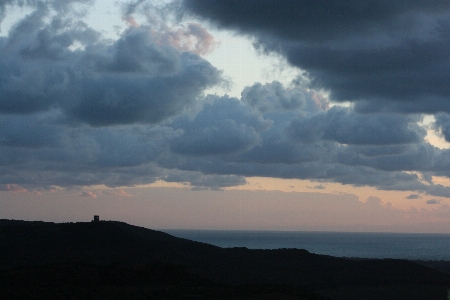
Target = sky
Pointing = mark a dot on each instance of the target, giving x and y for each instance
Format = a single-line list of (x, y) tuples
[(262, 115)]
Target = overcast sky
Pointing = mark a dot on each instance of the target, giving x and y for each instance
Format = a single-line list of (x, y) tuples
[(330, 100)]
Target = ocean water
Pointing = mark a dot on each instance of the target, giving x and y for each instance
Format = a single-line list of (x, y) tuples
[(340, 244)]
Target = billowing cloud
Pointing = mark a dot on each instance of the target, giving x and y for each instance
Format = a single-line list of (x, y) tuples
[(345, 126), (117, 192), (223, 126), (310, 141), (14, 188), (433, 201), (317, 187), (200, 181), (442, 125), (193, 38), (78, 109), (3, 5), (386, 55), (274, 96), (75, 106), (87, 194), (136, 79)]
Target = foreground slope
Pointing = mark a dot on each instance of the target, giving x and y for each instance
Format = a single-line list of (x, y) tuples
[(124, 258)]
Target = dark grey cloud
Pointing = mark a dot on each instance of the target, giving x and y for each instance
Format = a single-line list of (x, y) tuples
[(223, 126), (136, 79), (126, 98), (87, 194), (433, 201), (416, 157), (321, 20), (3, 4), (77, 109), (345, 126), (317, 187), (273, 97), (201, 182), (74, 105), (378, 150), (28, 132), (413, 196), (214, 146), (14, 188), (391, 55), (442, 125)]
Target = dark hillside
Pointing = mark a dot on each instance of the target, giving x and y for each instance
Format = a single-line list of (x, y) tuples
[(100, 257)]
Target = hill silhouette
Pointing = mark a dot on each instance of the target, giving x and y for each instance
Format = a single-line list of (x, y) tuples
[(115, 260)]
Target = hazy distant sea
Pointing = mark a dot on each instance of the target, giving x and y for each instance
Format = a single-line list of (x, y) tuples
[(339, 244)]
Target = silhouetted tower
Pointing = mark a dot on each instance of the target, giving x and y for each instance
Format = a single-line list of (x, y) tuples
[(96, 218)]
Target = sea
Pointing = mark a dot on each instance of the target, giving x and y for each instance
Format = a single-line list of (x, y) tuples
[(412, 246)]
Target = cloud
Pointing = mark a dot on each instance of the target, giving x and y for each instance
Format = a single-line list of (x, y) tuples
[(317, 187), (220, 142), (442, 125), (272, 97), (117, 192), (308, 142), (193, 38), (3, 5), (78, 109), (143, 83), (206, 188), (433, 201), (413, 196), (28, 132), (137, 79), (123, 193), (14, 188), (200, 182), (130, 21), (383, 55), (87, 194), (345, 126), (223, 126)]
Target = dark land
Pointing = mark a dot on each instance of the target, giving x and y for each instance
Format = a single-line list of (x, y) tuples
[(114, 260)]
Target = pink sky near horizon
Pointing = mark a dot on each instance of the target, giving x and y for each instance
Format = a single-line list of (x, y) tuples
[(165, 207)]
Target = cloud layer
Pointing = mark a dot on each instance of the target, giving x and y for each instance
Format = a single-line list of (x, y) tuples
[(79, 109), (386, 55)]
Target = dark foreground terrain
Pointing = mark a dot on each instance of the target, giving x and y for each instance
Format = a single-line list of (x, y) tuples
[(114, 260)]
